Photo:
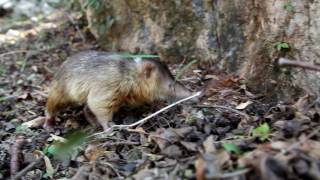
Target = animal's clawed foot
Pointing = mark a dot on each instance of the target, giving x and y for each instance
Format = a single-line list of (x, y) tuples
[(49, 123), (90, 117), (106, 126)]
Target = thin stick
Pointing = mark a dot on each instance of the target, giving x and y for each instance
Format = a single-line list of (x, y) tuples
[(235, 173), (16, 156), (146, 118), (14, 52), (27, 169), (30, 51), (288, 62), (227, 108)]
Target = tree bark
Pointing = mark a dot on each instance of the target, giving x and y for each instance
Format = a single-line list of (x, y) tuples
[(239, 36)]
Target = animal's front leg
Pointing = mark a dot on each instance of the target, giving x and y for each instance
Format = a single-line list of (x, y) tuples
[(90, 117), (102, 108)]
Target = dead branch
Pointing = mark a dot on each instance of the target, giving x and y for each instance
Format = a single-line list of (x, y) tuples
[(235, 173), (109, 144), (288, 62), (30, 51), (16, 155), (227, 108), (14, 52), (27, 169), (146, 118)]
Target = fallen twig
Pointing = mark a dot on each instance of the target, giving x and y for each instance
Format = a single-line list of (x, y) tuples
[(227, 108), (15, 52), (305, 65), (146, 118), (30, 51), (16, 155), (27, 169), (235, 173), (109, 144)]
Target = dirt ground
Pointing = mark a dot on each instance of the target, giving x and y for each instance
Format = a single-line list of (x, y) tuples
[(231, 133)]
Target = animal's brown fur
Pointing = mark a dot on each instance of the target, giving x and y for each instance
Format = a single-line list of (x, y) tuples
[(104, 82)]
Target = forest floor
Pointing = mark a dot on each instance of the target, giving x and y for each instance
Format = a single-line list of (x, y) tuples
[(231, 133)]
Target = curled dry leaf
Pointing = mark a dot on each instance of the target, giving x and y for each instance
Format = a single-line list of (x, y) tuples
[(242, 106), (208, 144), (49, 168), (172, 151), (57, 138), (72, 123), (35, 123), (92, 152)]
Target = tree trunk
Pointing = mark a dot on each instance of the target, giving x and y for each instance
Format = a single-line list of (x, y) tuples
[(239, 36)]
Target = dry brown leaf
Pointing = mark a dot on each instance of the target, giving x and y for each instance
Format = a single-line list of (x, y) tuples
[(37, 122), (242, 106), (72, 123)]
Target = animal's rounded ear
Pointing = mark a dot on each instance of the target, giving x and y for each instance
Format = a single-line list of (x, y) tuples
[(147, 69)]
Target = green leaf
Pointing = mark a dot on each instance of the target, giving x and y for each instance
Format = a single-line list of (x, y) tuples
[(205, 110), (289, 7), (232, 148), (284, 45), (262, 131), (281, 45), (190, 120), (2, 99), (128, 55), (21, 128), (63, 150), (2, 70), (49, 169)]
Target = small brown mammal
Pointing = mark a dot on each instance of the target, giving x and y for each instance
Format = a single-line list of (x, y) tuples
[(105, 81)]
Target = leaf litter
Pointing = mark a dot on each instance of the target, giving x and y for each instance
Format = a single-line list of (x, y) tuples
[(246, 138)]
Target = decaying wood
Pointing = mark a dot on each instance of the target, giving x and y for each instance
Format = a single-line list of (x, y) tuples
[(16, 156)]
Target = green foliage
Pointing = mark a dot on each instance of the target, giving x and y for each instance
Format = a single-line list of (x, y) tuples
[(184, 68), (262, 131), (96, 4), (2, 70), (49, 169), (23, 129), (70, 148), (190, 120), (205, 110), (129, 56), (105, 25), (2, 99), (288, 7), (232, 148), (281, 46)]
